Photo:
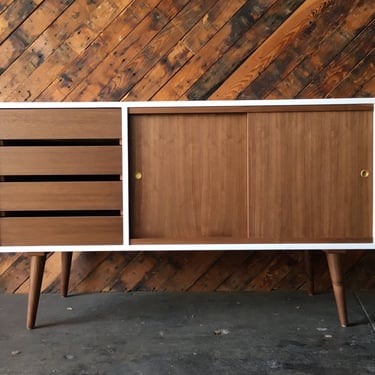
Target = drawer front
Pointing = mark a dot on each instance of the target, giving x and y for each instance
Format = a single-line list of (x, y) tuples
[(62, 195), (58, 123), (60, 160), (71, 230), (60, 177)]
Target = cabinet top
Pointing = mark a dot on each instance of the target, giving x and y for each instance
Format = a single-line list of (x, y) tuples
[(210, 105)]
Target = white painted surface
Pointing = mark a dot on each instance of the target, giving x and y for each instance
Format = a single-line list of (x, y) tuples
[(188, 247)]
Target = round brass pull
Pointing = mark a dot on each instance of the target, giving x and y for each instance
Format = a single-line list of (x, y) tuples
[(138, 176), (365, 173)]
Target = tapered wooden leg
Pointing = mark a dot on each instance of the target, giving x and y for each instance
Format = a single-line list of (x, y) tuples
[(66, 263), (37, 264), (309, 273), (334, 265)]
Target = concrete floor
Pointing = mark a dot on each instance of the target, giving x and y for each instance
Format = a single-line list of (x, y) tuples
[(210, 333)]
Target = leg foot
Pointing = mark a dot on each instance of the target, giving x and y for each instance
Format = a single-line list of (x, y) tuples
[(334, 265), (36, 276)]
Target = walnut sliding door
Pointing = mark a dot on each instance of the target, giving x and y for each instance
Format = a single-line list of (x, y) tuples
[(310, 176), (187, 177), (264, 175)]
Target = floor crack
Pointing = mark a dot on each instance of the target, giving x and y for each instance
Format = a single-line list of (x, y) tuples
[(368, 317)]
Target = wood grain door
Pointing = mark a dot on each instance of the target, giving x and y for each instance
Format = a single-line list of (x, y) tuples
[(188, 177), (305, 182)]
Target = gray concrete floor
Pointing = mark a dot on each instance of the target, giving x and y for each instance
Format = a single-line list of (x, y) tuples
[(188, 333)]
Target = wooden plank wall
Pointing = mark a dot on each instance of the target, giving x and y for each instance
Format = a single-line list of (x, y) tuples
[(118, 50)]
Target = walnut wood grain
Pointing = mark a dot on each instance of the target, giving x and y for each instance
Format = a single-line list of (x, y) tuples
[(134, 110), (62, 195), (304, 176), (60, 160), (337, 279), (57, 123), (83, 230), (37, 265), (189, 163)]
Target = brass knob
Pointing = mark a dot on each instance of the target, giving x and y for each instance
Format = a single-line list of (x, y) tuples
[(138, 176), (365, 173)]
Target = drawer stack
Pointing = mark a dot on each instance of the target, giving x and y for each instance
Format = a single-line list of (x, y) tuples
[(60, 172)]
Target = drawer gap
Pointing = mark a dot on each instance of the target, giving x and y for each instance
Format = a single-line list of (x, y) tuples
[(62, 178), (60, 213)]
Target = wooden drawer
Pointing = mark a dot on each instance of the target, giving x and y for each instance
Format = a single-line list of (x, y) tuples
[(60, 160), (60, 123), (60, 177), (62, 195), (71, 230)]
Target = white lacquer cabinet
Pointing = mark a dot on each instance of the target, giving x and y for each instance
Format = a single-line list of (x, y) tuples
[(254, 175)]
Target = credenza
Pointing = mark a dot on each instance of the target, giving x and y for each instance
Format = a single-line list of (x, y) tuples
[(200, 175)]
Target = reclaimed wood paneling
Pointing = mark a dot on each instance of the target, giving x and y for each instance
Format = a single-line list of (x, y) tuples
[(107, 50)]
